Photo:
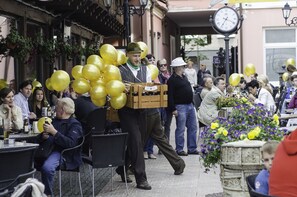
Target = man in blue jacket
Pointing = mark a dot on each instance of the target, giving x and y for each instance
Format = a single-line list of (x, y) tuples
[(64, 132)]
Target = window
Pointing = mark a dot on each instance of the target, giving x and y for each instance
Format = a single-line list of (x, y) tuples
[(280, 45)]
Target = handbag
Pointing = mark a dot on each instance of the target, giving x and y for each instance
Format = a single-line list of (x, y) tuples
[(44, 149)]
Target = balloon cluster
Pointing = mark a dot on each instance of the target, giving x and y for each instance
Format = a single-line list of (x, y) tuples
[(101, 77), (59, 81)]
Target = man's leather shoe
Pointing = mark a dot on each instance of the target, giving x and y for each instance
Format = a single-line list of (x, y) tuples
[(195, 152), (144, 185), (129, 180), (182, 153), (181, 168)]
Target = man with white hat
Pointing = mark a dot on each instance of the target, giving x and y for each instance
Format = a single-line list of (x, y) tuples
[(180, 103)]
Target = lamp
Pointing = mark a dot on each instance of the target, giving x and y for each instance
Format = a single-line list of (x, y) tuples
[(123, 8), (286, 14)]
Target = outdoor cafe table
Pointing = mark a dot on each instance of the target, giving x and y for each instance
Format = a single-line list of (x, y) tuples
[(22, 137), (287, 116), (15, 145)]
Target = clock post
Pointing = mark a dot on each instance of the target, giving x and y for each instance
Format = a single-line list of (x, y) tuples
[(226, 21)]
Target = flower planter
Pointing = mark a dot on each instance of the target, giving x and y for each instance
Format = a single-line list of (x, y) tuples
[(238, 160)]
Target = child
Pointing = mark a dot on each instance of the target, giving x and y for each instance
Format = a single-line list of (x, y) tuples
[(267, 151)]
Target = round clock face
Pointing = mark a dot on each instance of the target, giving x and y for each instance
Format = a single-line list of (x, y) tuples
[(226, 19)]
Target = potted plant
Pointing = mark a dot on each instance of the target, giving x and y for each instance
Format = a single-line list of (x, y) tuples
[(245, 122)]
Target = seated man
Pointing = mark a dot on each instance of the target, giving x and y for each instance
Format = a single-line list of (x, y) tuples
[(267, 151), (260, 95), (64, 132), (283, 175)]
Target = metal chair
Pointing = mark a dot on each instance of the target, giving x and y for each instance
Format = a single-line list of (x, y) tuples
[(250, 180), (62, 168), (97, 120), (108, 151), (16, 167)]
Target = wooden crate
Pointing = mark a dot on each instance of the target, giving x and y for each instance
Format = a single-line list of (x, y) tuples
[(147, 95)]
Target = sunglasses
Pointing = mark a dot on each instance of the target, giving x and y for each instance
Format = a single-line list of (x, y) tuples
[(163, 65)]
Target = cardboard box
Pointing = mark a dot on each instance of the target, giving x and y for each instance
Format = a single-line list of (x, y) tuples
[(147, 95)]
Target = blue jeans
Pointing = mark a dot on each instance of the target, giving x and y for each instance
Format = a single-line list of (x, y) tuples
[(48, 171), (149, 146), (186, 118)]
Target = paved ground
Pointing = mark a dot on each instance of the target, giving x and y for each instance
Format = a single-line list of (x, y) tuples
[(192, 183)]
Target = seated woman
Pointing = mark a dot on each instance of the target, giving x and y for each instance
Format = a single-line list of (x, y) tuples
[(64, 132), (38, 101), (8, 110)]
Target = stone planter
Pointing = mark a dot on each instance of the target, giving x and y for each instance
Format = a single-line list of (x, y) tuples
[(239, 160)]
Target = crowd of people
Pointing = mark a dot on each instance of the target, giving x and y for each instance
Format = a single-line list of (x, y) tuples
[(147, 127)]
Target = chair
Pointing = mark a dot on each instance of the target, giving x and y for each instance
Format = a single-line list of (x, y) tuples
[(250, 180), (96, 119), (16, 167), (108, 151), (62, 168)]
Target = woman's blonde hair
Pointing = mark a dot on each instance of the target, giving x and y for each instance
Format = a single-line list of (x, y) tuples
[(264, 82)]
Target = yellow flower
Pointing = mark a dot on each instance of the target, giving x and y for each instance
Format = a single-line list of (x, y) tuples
[(251, 135), (257, 131), (225, 132), (275, 117), (214, 125), (220, 130), (242, 136)]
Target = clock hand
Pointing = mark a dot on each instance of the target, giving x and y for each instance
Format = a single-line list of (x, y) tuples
[(224, 21)]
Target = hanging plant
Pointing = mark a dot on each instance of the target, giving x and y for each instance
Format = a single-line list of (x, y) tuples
[(90, 50)]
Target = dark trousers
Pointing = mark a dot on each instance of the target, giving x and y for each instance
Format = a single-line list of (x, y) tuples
[(155, 131), (133, 122)]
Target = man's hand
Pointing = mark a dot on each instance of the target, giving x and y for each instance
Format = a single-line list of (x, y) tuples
[(252, 97), (175, 113), (49, 128)]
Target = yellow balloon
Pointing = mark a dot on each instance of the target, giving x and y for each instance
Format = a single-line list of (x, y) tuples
[(60, 80), (48, 84), (249, 69), (41, 122), (290, 61), (112, 73), (154, 71), (114, 88), (81, 86), (36, 84), (77, 72), (97, 61), (98, 92), (285, 76), (3, 84), (109, 54), (234, 79), (91, 72), (119, 101), (100, 81), (122, 59), (144, 49), (99, 102)]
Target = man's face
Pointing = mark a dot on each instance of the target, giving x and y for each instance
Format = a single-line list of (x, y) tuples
[(26, 91), (267, 160), (202, 67), (134, 58), (253, 91), (208, 83), (222, 85)]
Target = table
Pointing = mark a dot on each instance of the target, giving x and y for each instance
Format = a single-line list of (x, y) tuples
[(16, 145), (22, 136)]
